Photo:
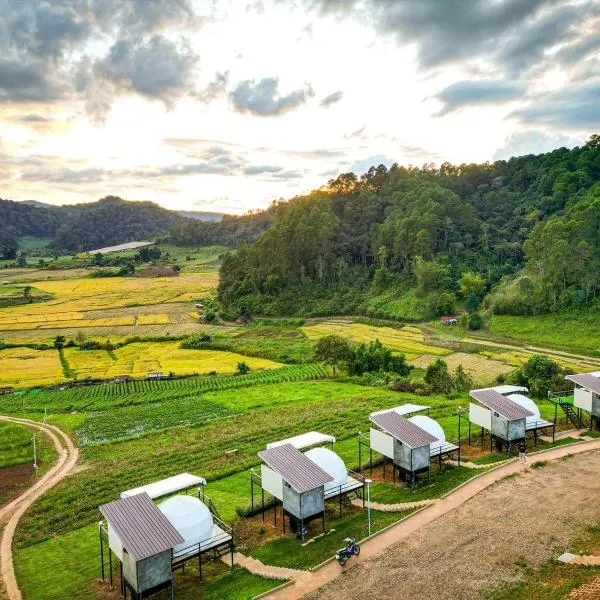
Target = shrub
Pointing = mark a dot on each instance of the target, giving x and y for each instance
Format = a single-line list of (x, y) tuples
[(540, 374), (475, 322), (242, 368), (437, 377), (376, 357)]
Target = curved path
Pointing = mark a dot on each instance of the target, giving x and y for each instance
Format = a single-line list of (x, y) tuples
[(308, 582), (12, 512)]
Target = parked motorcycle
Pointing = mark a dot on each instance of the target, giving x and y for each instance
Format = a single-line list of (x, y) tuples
[(351, 549)]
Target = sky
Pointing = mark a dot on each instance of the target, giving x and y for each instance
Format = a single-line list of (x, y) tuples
[(227, 105)]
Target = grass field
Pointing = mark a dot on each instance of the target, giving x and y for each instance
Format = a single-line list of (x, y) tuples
[(579, 331), (408, 340), (262, 413), (17, 446)]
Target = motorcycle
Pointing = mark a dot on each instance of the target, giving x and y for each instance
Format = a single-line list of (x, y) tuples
[(351, 549)]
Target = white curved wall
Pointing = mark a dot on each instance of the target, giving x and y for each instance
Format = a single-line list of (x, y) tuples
[(331, 463), (190, 517), (432, 427), (529, 404)]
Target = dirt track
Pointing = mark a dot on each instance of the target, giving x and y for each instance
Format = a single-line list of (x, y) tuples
[(12, 512), (526, 520)]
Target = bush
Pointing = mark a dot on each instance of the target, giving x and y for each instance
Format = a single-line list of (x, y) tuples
[(376, 357), (541, 375), (242, 368), (475, 322), (196, 342), (405, 385), (437, 377), (441, 304)]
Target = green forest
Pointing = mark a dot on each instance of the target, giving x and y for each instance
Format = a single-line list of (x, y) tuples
[(514, 237)]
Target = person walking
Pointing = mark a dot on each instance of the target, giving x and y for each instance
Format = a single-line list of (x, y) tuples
[(522, 453)]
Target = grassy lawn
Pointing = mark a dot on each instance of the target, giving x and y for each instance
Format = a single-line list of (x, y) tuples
[(288, 552), (260, 415), (240, 585), (441, 483), (68, 567), (579, 331), (62, 567)]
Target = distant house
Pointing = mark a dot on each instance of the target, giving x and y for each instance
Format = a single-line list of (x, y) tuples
[(4, 391), (449, 321), (155, 376), (199, 306)]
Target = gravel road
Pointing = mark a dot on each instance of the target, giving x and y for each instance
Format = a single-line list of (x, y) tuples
[(525, 519)]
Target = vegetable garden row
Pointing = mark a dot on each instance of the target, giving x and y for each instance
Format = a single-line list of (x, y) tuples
[(106, 396)]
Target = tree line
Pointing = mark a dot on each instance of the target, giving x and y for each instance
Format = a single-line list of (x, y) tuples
[(523, 232)]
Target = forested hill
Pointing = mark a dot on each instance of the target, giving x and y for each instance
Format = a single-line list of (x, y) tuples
[(84, 226), (525, 232)]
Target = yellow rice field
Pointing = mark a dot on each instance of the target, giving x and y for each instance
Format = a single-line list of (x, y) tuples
[(483, 370), (79, 295), (74, 301), (23, 367), (77, 320), (139, 359), (408, 340)]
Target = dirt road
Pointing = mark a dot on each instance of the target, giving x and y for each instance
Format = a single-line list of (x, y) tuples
[(12, 512), (520, 521)]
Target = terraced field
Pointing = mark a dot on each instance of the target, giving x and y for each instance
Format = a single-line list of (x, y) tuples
[(408, 340), (483, 370), (23, 367)]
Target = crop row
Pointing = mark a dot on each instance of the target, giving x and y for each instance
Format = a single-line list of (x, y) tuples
[(133, 421), (106, 396)]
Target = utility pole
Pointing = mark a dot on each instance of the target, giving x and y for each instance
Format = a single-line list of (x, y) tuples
[(35, 466), (369, 482)]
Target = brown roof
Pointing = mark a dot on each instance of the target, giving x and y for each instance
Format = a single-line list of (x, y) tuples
[(586, 380), (295, 468), (140, 525), (402, 429), (501, 404)]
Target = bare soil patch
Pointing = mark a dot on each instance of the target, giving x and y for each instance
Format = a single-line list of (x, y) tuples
[(14, 480), (519, 522)]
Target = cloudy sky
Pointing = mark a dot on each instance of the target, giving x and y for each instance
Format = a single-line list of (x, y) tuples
[(228, 104)]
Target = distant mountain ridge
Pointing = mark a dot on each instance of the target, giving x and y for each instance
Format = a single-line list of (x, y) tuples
[(81, 227)]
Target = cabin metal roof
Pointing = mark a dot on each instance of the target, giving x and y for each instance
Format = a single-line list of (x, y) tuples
[(587, 380), (495, 401), (295, 468), (402, 429), (141, 526), (166, 487)]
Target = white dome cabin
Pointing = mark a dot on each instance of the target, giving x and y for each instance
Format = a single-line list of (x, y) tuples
[(410, 442), (506, 414), (191, 518), (301, 483), (150, 541)]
